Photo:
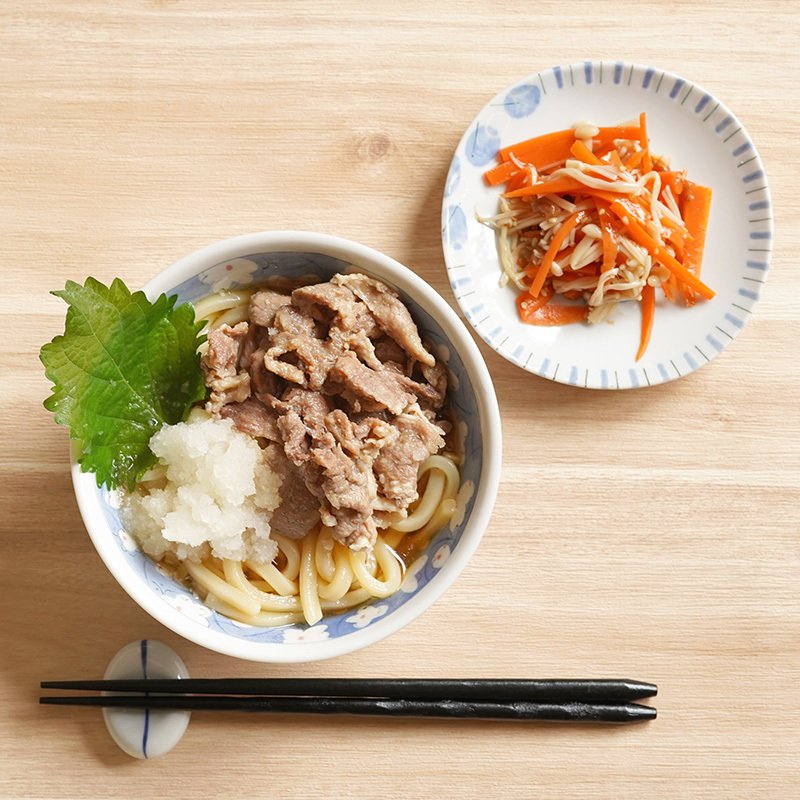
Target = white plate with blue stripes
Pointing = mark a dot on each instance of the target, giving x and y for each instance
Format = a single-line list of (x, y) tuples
[(700, 134)]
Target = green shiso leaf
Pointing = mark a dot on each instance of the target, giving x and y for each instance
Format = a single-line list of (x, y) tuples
[(123, 368)]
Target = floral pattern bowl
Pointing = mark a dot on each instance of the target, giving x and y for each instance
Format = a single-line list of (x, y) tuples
[(253, 258)]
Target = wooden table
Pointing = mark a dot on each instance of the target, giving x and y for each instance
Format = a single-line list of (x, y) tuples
[(649, 534)]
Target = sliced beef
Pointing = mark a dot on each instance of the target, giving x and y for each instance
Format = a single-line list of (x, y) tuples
[(349, 489), (382, 389), (283, 369), (224, 345), (343, 430), (436, 376), (388, 351), (362, 439), (390, 312), (310, 357), (264, 305), (296, 445), (336, 385), (253, 418), (314, 359), (325, 301), (336, 306), (335, 459), (298, 511), (263, 383), (230, 390), (294, 322), (425, 393), (302, 423), (397, 464), (432, 392), (220, 363), (350, 323), (362, 346), (256, 338)]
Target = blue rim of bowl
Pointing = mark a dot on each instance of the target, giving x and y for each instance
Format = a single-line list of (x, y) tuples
[(726, 126), (488, 411)]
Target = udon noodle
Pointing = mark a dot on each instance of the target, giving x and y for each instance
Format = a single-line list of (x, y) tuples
[(316, 575)]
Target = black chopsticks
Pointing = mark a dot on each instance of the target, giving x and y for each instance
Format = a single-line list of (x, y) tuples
[(557, 700), (372, 706), (582, 691)]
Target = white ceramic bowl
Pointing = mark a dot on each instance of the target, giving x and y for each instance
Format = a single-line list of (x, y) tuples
[(254, 257)]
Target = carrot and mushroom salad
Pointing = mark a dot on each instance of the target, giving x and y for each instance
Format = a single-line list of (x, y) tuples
[(591, 214)]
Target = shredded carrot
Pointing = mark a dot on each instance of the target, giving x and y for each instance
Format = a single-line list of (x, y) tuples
[(674, 285), (614, 158), (590, 271), (605, 149), (542, 150), (696, 210), (555, 245), (588, 191), (616, 132), (527, 305), (583, 153), (648, 312), (668, 287), (557, 186), (608, 236), (646, 160), (641, 237), (551, 314), (566, 240), (562, 256), (501, 173), (519, 179), (633, 161), (677, 238), (675, 181)]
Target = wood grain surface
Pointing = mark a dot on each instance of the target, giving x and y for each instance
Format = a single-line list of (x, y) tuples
[(649, 534)]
